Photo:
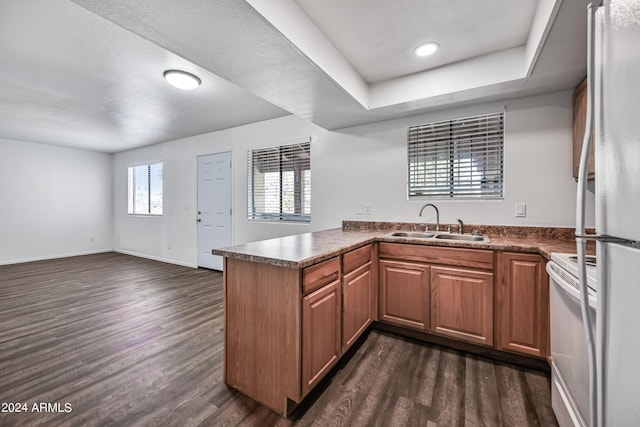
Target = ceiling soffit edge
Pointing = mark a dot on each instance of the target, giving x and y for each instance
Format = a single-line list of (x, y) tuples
[(513, 64)]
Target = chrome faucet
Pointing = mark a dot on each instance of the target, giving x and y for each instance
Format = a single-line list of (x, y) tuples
[(437, 214), (460, 226)]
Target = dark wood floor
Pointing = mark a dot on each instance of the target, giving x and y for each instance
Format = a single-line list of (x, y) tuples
[(128, 341)]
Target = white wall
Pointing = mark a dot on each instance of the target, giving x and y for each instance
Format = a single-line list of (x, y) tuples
[(173, 237), (369, 166), (355, 166), (52, 201)]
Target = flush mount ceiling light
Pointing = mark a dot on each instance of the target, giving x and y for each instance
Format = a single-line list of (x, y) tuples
[(182, 79), (426, 49)]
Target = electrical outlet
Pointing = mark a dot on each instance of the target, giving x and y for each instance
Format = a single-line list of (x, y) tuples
[(521, 210), (363, 209), (92, 239)]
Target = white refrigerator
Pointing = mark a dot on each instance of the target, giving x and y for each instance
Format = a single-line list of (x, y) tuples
[(614, 80)]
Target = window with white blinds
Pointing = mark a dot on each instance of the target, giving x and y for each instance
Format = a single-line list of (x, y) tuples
[(145, 189), (461, 158), (280, 183)]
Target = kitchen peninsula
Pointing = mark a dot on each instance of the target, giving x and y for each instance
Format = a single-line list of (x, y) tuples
[(294, 305)]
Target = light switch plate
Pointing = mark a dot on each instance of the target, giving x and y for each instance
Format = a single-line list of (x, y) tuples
[(521, 210)]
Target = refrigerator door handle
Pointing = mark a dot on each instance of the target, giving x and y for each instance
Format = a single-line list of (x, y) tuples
[(581, 242), (603, 238)]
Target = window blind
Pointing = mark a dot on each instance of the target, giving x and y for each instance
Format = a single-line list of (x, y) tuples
[(280, 183), (145, 189), (461, 158)]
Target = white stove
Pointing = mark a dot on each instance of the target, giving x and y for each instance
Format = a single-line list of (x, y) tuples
[(569, 263), (569, 373)]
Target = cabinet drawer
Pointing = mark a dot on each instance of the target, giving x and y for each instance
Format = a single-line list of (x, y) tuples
[(478, 258), (320, 274), (356, 258)]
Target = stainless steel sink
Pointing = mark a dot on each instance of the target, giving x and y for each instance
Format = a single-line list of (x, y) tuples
[(465, 237), (413, 234), (441, 236)]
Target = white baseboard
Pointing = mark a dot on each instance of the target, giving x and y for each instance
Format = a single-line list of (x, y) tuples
[(100, 251), (47, 257), (155, 258)]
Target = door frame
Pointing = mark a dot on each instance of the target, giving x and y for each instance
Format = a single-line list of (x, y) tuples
[(232, 182)]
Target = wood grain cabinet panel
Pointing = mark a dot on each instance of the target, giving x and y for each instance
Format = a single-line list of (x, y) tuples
[(357, 313), (262, 331), (318, 275), (462, 304), (579, 122), (356, 258), (321, 327), (460, 257), (404, 294), (523, 304)]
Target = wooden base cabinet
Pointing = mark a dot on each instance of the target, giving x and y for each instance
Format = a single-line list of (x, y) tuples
[(285, 328), (523, 304), (357, 307), (321, 344), (404, 294), (462, 304), (447, 291), (262, 309)]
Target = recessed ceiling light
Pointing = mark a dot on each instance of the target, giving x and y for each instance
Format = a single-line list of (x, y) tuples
[(427, 49), (182, 79)]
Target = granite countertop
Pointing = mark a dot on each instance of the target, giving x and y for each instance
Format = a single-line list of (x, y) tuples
[(302, 250)]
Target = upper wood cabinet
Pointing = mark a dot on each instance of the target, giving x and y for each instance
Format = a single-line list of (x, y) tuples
[(462, 304), (523, 304), (579, 122)]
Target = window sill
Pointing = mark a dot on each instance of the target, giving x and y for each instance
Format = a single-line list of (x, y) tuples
[(275, 221)]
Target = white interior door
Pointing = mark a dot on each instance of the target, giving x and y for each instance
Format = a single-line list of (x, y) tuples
[(214, 207)]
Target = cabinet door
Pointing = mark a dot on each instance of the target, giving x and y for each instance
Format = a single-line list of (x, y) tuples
[(462, 304), (320, 334), (523, 304), (404, 294), (357, 293), (579, 122)]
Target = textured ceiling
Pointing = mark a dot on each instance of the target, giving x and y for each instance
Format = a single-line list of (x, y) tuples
[(72, 78), (378, 36), (88, 73)]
